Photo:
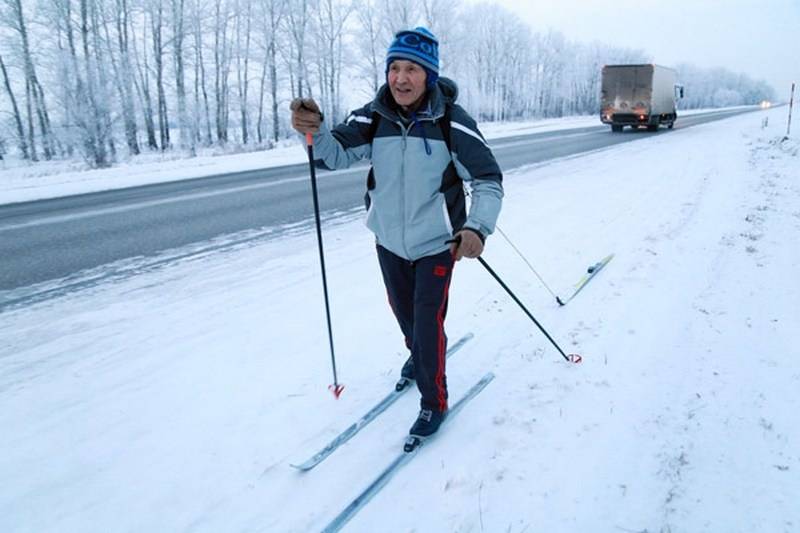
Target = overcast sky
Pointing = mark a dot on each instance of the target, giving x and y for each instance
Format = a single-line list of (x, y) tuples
[(758, 38)]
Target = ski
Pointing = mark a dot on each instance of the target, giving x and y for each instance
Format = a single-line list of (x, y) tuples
[(591, 272), (405, 456), (371, 415)]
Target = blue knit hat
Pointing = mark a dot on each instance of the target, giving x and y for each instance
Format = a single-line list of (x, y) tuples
[(420, 46)]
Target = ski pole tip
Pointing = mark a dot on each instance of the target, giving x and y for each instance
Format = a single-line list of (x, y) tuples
[(574, 358), (309, 139), (336, 389)]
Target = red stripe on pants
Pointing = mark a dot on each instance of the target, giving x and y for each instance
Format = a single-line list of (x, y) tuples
[(442, 396)]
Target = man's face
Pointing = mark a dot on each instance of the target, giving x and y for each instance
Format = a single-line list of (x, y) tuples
[(407, 83)]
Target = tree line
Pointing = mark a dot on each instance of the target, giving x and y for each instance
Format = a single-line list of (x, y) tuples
[(108, 79)]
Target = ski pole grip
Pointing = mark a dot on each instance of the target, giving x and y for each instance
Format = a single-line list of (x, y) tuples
[(309, 140)]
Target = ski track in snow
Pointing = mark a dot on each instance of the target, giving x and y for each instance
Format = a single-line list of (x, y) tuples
[(175, 400)]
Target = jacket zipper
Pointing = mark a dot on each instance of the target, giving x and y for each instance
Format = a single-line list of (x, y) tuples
[(404, 185)]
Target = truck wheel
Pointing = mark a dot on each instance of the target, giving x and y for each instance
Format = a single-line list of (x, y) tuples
[(616, 128), (669, 126)]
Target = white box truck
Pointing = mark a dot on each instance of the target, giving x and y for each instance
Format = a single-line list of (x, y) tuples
[(639, 95)]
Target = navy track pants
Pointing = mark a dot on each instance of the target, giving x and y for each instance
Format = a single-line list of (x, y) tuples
[(418, 292)]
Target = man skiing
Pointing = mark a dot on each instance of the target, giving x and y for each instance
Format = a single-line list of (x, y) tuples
[(421, 146)]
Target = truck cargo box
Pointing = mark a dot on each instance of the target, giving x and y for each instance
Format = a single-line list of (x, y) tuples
[(639, 95)]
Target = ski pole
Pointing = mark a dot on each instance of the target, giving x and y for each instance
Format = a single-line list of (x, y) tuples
[(336, 388), (571, 358)]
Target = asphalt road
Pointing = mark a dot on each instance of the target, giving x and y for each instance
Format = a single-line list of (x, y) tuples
[(61, 240)]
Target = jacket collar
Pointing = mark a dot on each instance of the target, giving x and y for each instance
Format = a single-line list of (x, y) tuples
[(437, 97)]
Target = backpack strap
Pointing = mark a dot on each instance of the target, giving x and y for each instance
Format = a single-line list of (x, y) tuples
[(373, 128), (444, 123)]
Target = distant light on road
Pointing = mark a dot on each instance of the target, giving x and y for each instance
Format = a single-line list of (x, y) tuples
[(766, 104)]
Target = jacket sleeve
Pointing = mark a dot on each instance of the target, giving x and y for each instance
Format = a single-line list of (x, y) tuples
[(346, 144), (476, 165)]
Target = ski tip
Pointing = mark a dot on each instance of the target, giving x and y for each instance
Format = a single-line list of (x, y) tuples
[(600, 264), (560, 302), (574, 358), (336, 389)]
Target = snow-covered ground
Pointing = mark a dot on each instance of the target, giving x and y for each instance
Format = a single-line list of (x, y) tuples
[(20, 182), (175, 400)]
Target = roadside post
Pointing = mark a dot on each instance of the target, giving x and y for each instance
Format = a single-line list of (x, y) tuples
[(789, 122)]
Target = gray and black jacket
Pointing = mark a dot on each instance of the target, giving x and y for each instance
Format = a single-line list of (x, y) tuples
[(415, 195)]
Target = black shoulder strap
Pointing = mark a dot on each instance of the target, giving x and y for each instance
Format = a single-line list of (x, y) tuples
[(444, 124), (373, 128)]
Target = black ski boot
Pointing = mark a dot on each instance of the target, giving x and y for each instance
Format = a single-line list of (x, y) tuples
[(407, 374), (427, 424), (408, 371)]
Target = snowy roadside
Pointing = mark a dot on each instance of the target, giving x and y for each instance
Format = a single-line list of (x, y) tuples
[(175, 400), (57, 179)]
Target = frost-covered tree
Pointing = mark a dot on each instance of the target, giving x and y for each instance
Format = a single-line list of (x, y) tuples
[(369, 43), (396, 15), (297, 22), (133, 73), (142, 79), (719, 87), (186, 126), (243, 15), (202, 108), (123, 69), (155, 11), (222, 65), (22, 141), (271, 15), (329, 29), (15, 18)]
